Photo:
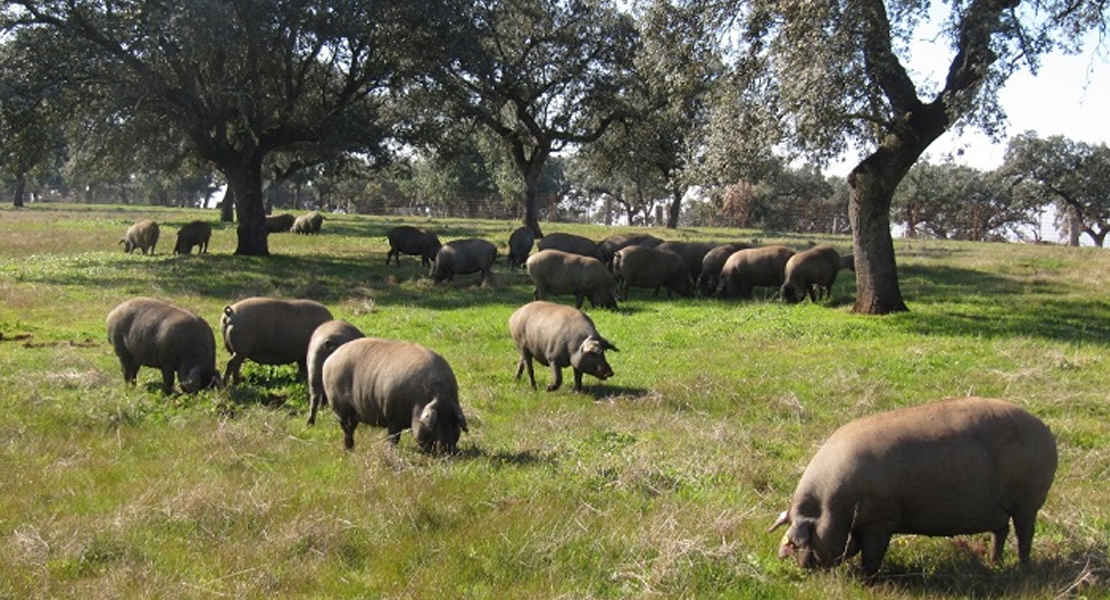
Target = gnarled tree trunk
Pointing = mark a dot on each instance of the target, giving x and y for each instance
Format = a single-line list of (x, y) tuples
[(245, 183)]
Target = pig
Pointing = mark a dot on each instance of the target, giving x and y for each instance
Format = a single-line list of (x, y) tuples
[(692, 253), (197, 233), (412, 240), (639, 266), (145, 332), (746, 269), (609, 246), (555, 272), (463, 257), (270, 331), (520, 246), (848, 263), (329, 336), (570, 243), (953, 467), (810, 272), (142, 235), (396, 385), (559, 336), (709, 275), (280, 223), (308, 224)]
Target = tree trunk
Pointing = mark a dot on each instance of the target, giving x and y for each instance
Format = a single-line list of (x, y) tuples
[(872, 184), (531, 170), (675, 209), (245, 183), (20, 190), (227, 206)]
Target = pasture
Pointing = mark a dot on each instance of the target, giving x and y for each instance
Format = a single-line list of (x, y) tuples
[(657, 483)]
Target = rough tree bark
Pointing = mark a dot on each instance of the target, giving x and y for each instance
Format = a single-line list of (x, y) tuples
[(20, 190)]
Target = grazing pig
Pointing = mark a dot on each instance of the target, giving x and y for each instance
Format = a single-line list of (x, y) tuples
[(308, 224), (810, 272), (463, 257), (692, 253), (197, 233), (280, 223), (570, 243), (414, 241), (270, 331), (520, 246), (554, 273), (328, 337), (954, 467), (848, 263), (396, 385), (142, 235), (609, 246), (746, 269), (712, 263), (652, 268), (559, 336), (145, 332)]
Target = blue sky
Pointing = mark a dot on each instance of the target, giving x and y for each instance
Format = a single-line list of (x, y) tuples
[(1069, 96)]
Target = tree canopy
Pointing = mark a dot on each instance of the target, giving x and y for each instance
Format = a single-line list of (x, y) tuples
[(1071, 175), (840, 80), (541, 74), (229, 82)]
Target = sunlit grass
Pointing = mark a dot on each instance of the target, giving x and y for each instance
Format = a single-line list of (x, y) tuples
[(659, 482)]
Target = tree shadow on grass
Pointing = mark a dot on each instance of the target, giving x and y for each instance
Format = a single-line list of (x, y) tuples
[(502, 458), (989, 305), (968, 575)]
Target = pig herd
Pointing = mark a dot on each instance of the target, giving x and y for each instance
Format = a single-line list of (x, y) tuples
[(951, 467), (143, 234)]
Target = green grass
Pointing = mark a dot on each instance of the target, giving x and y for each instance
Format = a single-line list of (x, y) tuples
[(660, 482)]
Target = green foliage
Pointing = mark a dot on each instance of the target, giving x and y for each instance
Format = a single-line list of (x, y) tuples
[(1071, 175), (657, 483)]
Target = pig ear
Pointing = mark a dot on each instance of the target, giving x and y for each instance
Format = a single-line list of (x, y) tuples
[(783, 519), (428, 415), (461, 418), (607, 345)]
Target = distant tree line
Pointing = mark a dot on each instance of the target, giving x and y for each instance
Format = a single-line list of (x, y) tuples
[(507, 106)]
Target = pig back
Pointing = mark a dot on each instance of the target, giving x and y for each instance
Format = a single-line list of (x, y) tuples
[(159, 334), (550, 332), (380, 382), (946, 468), (272, 331)]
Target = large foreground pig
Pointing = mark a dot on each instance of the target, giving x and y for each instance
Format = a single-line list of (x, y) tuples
[(145, 332), (953, 467), (559, 336), (396, 385), (270, 331), (327, 338)]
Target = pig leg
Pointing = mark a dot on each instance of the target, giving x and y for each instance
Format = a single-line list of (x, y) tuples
[(998, 537), (348, 425), (130, 369), (526, 361), (556, 377), (874, 539), (167, 380), (232, 373), (1023, 527), (577, 380)]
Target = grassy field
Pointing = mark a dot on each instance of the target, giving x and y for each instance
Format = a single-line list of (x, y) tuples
[(658, 483)]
